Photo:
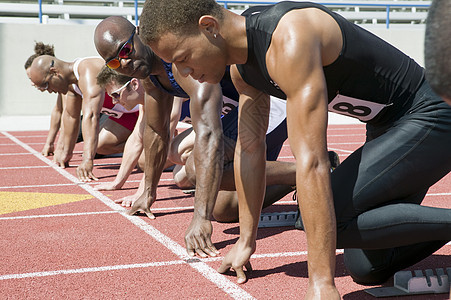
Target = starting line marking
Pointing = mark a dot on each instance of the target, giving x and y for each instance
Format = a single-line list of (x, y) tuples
[(189, 261), (67, 184), (229, 287)]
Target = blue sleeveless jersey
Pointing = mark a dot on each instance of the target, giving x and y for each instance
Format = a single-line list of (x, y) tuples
[(228, 89)]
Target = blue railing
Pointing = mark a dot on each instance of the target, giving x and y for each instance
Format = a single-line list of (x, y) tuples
[(226, 4), (136, 11)]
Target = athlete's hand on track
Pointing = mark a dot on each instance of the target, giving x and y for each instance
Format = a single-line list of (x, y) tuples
[(198, 238), (61, 159), (127, 201), (107, 186), (143, 203), (238, 257), (48, 150), (84, 171)]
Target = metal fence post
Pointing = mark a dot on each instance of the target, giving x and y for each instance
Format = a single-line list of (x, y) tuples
[(387, 20), (40, 11), (136, 12)]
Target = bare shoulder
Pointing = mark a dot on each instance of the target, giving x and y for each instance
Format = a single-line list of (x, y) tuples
[(91, 65), (305, 33), (305, 24)]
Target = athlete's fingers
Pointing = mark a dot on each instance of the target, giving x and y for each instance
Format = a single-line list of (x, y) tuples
[(192, 246), (240, 276), (150, 215), (91, 175), (190, 252), (210, 251), (132, 211), (201, 253), (224, 267), (208, 248), (212, 247)]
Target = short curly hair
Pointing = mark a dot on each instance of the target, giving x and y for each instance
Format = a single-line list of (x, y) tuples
[(106, 75), (176, 16), (437, 47), (40, 49)]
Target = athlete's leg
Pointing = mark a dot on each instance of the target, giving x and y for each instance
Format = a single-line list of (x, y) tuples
[(112, 137), (182, 146), (379, 188), (181, 178), (377, 266), (226, 206)]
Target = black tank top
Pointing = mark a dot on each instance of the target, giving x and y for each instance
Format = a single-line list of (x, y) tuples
[(368, 76)]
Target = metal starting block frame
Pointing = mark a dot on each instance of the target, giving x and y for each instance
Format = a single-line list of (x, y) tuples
[(278, 219), (406, 283)]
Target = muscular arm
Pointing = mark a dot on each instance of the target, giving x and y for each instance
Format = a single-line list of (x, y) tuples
[(295, 61), (70, 128), (250, 176), (93, 96), (55, 124), (156, 139), (205, 106), (132, 151)]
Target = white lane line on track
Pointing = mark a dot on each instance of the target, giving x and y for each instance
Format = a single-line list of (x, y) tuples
[(28, 167), (144, 265), (59, 215), (36, 186), (90, 270), (28, 136), (147, 265), (113, 211), (220, 280), (66, 184), (12, 144)]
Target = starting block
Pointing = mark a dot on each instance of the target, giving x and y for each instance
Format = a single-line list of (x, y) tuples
[(406, 283), (277, 219)]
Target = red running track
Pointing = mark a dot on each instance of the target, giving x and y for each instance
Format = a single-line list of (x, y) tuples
[(61, 239)]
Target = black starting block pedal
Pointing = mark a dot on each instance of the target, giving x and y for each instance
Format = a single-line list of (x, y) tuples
[(277, 219), (418, 283)]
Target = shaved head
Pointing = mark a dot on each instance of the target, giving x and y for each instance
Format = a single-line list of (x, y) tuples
[(40, 68), (110, 33)]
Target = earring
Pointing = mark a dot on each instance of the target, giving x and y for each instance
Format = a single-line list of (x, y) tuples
[(215, 35)]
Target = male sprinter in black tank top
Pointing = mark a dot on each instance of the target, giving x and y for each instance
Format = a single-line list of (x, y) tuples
[(318, 61)]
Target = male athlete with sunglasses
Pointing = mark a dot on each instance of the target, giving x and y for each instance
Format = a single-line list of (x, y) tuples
[(117, 43), (77, 82)]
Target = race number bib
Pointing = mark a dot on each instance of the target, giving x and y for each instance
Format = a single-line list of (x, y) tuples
[(111, 113), (356, 108)]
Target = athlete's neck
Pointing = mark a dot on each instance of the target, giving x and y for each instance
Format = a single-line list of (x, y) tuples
[(235, 37)]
